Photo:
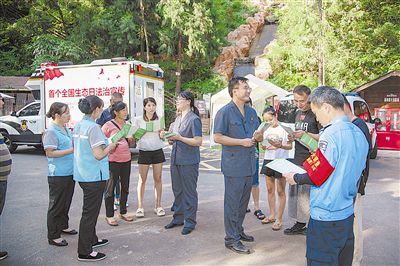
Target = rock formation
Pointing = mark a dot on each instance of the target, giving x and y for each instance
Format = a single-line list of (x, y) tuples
[(241, 40)]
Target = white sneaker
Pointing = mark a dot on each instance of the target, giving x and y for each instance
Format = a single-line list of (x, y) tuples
[(140, 212), (159, 211)]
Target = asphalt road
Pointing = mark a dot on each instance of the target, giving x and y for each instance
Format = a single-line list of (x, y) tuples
[(146, 242)]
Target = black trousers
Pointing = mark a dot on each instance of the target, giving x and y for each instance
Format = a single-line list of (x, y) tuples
[(61, 190), (119, 172), (330, 242), (92, 199), (3, 190)]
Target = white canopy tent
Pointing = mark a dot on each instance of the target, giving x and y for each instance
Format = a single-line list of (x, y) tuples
[(5, 96), (261, 90)]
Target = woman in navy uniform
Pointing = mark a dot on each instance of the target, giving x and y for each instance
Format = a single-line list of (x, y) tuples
[(185, 159), (57, 142), (91, 170), (236, 129)]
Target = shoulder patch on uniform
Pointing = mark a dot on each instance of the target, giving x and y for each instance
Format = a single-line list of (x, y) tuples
[(323, 144)]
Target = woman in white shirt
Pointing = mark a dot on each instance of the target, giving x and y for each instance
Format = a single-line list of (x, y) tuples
[(150, 153), (276, 146)]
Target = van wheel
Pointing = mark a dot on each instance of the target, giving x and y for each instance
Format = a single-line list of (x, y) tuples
[(374, 152), (7, 140)]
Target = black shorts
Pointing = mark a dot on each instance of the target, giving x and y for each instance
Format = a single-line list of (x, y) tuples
[(268, 171), (151, 157)]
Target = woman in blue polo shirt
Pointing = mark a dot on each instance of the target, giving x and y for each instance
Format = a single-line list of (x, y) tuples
[(57, 142), (91, 171), (185, 159)]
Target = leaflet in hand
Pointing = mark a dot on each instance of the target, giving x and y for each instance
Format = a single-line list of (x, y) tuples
[(152, 126), (139, 133), (169, 134), (128, 130), (283, 166), (263, 126), (123, 133), (308, 142), (287, 129)]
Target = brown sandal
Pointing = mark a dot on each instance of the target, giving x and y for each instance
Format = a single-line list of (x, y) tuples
[(277, 225), (111, 221), (268, 220)]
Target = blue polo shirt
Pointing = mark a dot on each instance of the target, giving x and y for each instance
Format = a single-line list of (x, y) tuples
[(189, 127), (237, 161), (88, 135), (105, 117), (59, 138), (345, 147)]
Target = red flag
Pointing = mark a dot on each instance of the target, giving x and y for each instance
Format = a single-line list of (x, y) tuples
[(318, 168), (52, 73)]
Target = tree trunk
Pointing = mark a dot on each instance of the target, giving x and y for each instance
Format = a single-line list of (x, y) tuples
[(142, 11), (141, 42), (321, 56), (179, 64)]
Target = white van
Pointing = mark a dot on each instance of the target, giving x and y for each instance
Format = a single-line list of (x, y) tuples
[(68, 83), (286, 113)]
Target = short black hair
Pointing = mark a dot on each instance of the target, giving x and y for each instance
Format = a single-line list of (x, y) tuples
[(269, 109), (116, 107), (329, 95), (234, 82), (302, 89), (116, 95)]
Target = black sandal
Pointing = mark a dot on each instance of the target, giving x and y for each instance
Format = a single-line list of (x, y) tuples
[(259, 214)]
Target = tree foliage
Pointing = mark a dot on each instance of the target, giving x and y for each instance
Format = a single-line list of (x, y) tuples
[(360, 41), (35, 31)]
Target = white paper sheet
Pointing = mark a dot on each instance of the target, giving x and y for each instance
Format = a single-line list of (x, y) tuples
[(284, 166)]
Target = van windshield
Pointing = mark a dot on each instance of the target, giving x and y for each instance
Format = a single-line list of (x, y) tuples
[(287, 112)]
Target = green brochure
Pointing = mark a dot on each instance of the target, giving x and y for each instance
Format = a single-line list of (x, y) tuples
[(309, 142), (139, 133), (150, 126), (123, 133)]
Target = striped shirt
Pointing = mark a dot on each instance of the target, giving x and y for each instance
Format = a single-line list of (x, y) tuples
[(5, 160)]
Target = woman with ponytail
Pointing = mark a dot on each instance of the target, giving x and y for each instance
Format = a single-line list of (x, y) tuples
[(91, 170), (119, 163), (185, 159), (57, 143)]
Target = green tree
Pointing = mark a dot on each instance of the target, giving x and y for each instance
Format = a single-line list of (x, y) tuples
[(186, 24), (343, 43)]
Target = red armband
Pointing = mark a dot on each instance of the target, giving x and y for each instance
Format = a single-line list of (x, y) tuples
[(318, 168)]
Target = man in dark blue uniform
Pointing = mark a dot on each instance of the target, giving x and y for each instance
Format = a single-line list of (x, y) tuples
[(106, 115), (333, 172), (236, 129)]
